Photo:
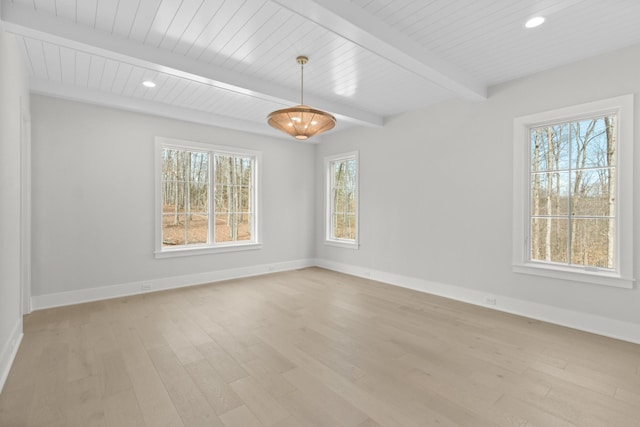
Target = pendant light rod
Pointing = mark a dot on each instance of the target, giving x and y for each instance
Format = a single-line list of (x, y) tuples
[(302, 60)]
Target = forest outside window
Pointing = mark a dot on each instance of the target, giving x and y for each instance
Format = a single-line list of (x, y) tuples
[(575, 207), (206, 198), (342, 200)]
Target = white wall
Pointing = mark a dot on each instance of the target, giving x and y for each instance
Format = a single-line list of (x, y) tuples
[(13, 93), (445, 171), (93, 202), (436, 196)]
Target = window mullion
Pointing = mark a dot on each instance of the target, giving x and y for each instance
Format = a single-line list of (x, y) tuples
[(345, 213), (234, 201), (332, 209), (184, 212), (570, 193), (212, 196)]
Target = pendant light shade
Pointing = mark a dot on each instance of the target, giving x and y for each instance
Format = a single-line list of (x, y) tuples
[(301, 122)]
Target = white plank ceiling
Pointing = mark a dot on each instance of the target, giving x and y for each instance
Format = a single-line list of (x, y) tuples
[(231, 62)]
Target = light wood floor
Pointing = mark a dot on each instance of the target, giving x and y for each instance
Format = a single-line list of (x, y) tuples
[(312, 348)]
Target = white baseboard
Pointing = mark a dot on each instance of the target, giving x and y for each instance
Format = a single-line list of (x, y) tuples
[(39, 302), (9, 351), (605, 326)]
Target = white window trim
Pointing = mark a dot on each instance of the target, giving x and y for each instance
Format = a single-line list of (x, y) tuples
[(163, 252), (622, 275), (328, 240)]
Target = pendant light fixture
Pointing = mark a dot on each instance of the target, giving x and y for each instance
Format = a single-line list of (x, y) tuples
[(301, 122)]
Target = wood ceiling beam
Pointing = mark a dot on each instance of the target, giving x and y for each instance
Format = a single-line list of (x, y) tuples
[(137, 105), (25, 22), (369, 32)]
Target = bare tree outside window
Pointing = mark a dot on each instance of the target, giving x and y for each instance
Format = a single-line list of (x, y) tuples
[(189, 179), (573, 194), (185, 197), (343, 212), (232, 197)]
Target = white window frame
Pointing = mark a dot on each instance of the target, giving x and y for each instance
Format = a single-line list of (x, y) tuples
[(329, 238), (622, 273), (162, 143)]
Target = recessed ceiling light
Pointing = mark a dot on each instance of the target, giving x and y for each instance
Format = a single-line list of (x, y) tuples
[(149, 83), (534, 22)]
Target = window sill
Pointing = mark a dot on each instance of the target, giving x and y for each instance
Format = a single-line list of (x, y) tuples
[(576, 274), (204, 250), (342, 244)]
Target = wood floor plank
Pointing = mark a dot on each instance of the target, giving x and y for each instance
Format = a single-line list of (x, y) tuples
[(114, 374), (629, 397), (585, 407), (240, 417), (228, 367), (609, 380), (339, 407), (590, 382), (293, 422), (99, 337), (48, 404), (369, 423), (14, 406), (235, 344), (269, 377), (312, 347), (155, 404), (329, 353), (153, 399), (191, 329), (84, 403), (518, 408), (304, 408), (49, 401), (218, 393), (180, 344), (83, 361), (270, 356), (266, 409), (150, 333), (378, 409), (185, 395), (122, 410)]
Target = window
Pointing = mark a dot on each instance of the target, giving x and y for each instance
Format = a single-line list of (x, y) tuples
[(573, 193), (342, 200), (206, 198)]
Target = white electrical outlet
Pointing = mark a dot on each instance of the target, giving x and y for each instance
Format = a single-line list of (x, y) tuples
[(146, 286), (272, 268), (367, 274), (490, 301)]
